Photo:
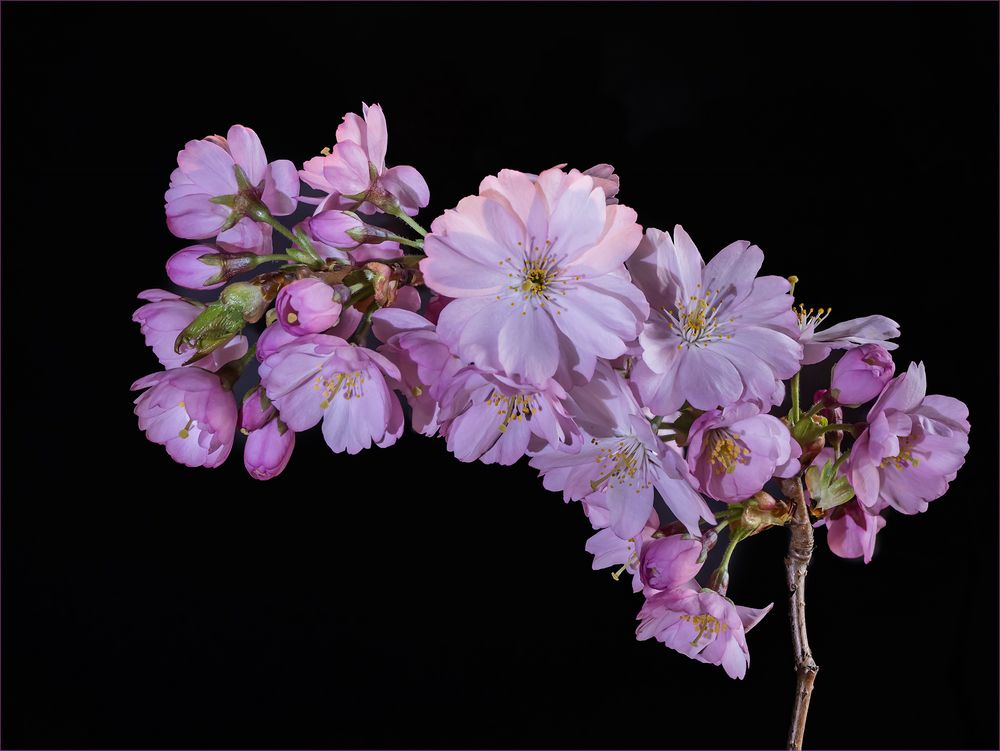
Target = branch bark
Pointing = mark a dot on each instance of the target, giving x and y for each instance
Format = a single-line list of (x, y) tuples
[(800, 550)]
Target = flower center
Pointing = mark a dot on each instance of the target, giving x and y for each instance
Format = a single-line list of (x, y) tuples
[(517, 407), (705, 623), (811, 317), (538, 278), (348, 385), (726, 452), (904, 459), (622, 463), (696, 320)]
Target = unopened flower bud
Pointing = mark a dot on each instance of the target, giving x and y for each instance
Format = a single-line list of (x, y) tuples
[(861, 374), (668, 562), (247, 298), (196, 267), (256, 410), (346, 230), (268, 450), (309, 306)]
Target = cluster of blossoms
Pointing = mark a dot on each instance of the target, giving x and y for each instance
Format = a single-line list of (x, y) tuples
[(535, 319)]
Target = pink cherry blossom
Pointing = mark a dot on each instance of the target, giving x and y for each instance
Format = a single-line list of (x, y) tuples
[(354, 173), (716, 332), (322, 377), (817, 345), (425, 364), (851, 530), (246, 236), (861, 374), (913, 446), (702, 625), (256, 411), (309, 306), (621, 462), (355, 253), (733, 452), (609, 550), (668, 562), (190, 412), (165, 316), (498, 420), (536, 270), (268, 450), (206, 169)]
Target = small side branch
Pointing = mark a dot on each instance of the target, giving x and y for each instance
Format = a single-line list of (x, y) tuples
[(800, 550)]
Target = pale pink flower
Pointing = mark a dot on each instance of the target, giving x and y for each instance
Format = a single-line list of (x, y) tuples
[(354, 173), (206, 169), (913, 446), (734, 452), (621, 462), (536, 270), (189, 412), (355, 254), (309, 306), (702, 625), (321, 377), (861, 374), (717, 333), (609, 550), (425, 364), (268, 450), (496, 419), (817, 345)]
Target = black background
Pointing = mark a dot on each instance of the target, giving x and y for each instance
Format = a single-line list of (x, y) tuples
[(399, 598)]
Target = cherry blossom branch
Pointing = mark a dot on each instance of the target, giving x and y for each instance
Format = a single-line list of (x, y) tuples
[(800, 550)]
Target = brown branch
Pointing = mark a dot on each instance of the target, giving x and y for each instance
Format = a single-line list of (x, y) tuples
[(800, 550)]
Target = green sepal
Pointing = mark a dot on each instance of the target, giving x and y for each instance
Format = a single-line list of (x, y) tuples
[(827, 487)]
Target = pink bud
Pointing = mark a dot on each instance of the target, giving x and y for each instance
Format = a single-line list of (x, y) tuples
[(268, 450), (333, 228), (861, 374), (196, 267), (668, 562), (256, 410), (309, 306)]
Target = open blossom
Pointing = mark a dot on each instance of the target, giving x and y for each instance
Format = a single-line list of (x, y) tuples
[(716, 332), (309, 306), (861, 374), (851, 530), (621, 461), (268, 450), (817, 345), (913, 446), (322, 377), (165, 316), (702, 625), (206, 169), (610, 550), (733, 452), (536, 270), (498, 420), (190, 413), (411, 343), (354, 173)]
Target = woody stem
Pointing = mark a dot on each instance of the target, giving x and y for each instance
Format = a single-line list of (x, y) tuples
[(800, 550)]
